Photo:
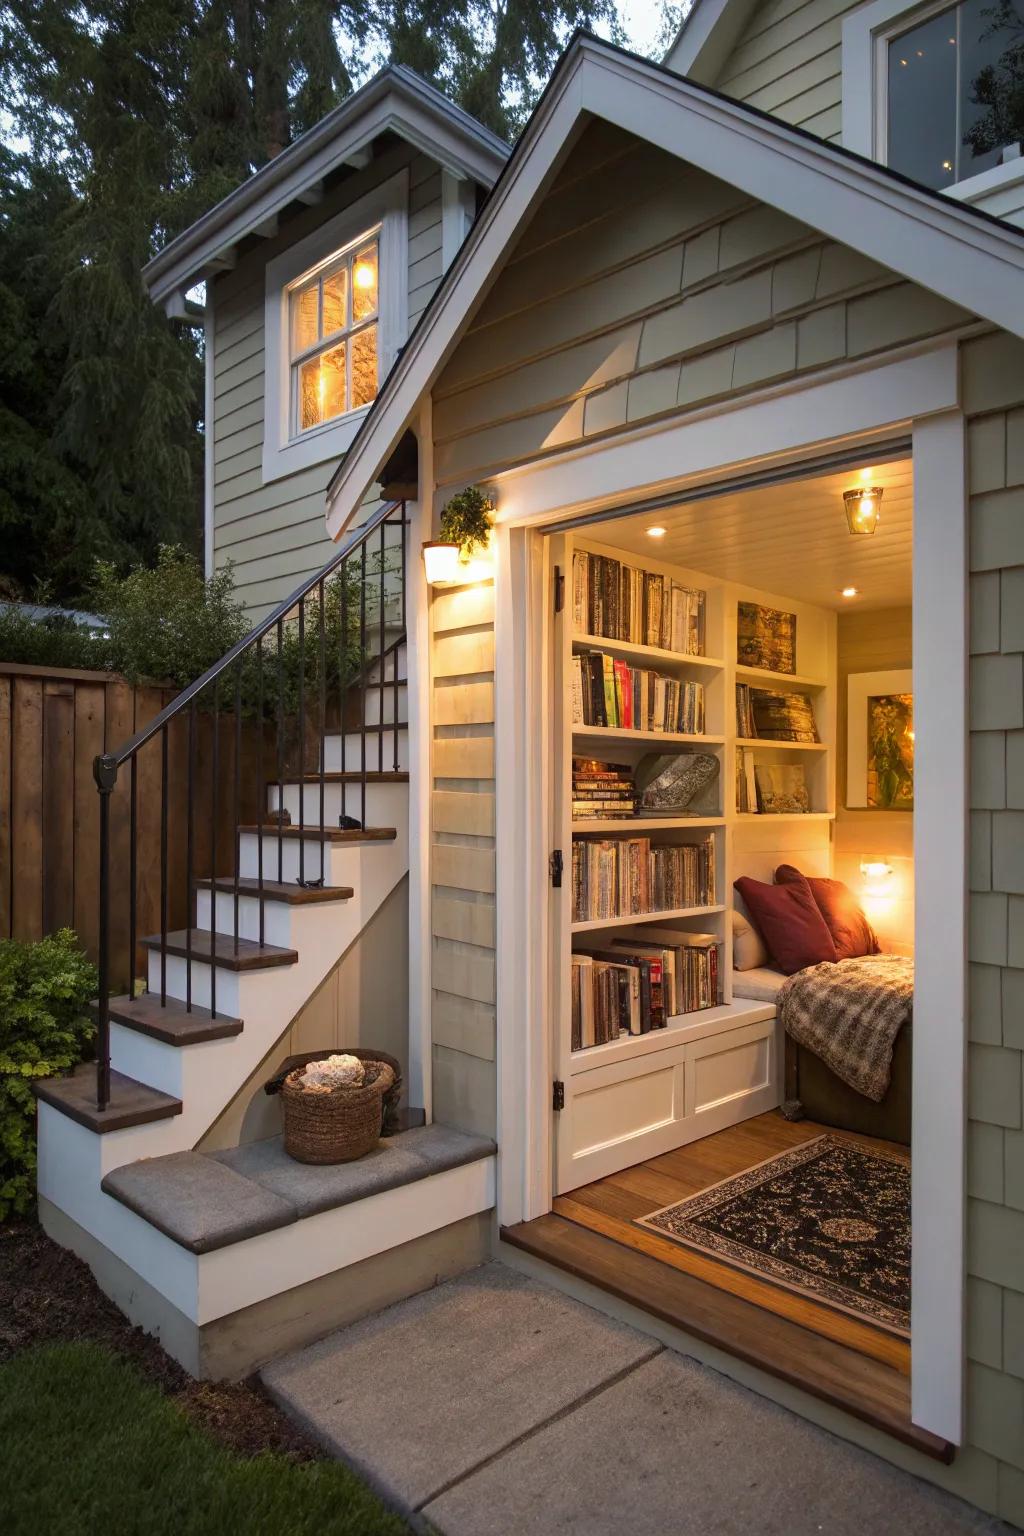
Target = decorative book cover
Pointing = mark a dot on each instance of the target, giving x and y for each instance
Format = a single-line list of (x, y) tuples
[(765, 637), (781, 788), (783, 716)]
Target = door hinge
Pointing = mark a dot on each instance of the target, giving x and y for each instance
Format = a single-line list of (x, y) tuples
[(559, 589), (558, 1096), (555, 866)]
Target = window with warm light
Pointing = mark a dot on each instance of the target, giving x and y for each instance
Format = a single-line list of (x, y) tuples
[(932, 68), (333, 330)]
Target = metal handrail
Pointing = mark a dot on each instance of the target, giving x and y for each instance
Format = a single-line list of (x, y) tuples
[(224, 678)]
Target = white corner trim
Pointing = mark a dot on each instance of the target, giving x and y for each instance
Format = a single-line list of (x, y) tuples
[(998, 178), (419, 653), (458, 198), (209, 393), (706, 38), (938, 1198), (388, 206)]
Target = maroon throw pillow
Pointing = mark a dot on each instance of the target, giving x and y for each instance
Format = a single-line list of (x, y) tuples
[(788, 919), (851, 932)]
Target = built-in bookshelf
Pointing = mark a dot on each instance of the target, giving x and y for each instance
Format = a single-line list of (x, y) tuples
[(681, 1052)]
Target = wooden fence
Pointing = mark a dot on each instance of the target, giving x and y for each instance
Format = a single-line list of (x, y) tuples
[(53, 723)]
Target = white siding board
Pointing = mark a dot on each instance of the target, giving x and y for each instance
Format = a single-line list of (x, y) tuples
[(230, 422)]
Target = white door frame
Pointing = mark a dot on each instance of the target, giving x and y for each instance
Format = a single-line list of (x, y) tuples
[(916, 392)]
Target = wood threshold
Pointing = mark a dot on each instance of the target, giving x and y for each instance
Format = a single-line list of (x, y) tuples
[(866, 1388)]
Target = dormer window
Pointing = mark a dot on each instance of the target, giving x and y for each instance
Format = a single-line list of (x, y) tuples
[(931, 72), (334, 333)]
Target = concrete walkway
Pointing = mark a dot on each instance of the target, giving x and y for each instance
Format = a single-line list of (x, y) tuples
[(495, 1406)]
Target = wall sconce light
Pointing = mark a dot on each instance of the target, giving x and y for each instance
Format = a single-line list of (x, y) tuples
[(873, 867), (862, 508), (440, 562)]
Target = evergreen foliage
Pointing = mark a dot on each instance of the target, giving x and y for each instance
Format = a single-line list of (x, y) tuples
[(999, 88), (45, 1029)]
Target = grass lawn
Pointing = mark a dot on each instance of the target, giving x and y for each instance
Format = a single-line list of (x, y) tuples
[(88, 1445)]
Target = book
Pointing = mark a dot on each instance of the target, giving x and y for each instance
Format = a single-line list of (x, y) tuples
[(765, 637), (629, 876), (782, 716), (621, 601), (611, 692), (746, 781)]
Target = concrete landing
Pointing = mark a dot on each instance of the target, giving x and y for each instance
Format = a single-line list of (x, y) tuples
[(496, 1406)]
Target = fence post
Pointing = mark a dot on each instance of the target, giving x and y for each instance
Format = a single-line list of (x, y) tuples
[(104, 770)]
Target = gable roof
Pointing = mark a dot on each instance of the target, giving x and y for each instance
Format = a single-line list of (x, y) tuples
[(958, 252), (396, 99), (706, 37)]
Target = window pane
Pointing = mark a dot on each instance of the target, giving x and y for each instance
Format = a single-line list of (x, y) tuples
[(922, 102), (310, 414), (364, 366), (335, 287), (979, 46), (304, 317), (332, 382), (364, 282)]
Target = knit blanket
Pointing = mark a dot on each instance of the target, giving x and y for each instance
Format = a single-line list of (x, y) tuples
[(849, 1015)]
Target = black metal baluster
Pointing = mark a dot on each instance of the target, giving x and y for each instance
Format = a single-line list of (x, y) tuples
[(214, 785), (190, 892), (238, 793), (280, 750), (133, 877), (323, 720), (105, 774), (261, 793), (164, 798)]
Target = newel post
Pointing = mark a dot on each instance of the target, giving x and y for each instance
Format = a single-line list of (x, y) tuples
[(104, 770)]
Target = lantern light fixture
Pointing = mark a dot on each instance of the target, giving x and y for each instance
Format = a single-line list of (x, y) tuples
[(440, 562), (862, 508)]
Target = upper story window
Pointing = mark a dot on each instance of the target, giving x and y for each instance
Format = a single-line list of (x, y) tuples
[(336, 313), (334, 336), (932, 69)]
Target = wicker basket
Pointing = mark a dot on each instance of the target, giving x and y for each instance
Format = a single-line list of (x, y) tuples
[(334, 1127), (392, 1097)]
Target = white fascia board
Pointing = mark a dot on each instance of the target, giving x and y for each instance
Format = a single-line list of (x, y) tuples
[(395, 101), (943, 246), (707, 37)]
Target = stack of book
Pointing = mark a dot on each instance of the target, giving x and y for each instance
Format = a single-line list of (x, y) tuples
[(638, 985), (627, 876), (609, 692), (601, 789), (623, 602), (746, 782), (765, 715)]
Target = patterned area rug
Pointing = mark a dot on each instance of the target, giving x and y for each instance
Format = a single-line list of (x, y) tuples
[(829, 1219)]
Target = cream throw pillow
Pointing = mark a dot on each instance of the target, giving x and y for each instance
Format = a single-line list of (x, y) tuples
[(748, 947)]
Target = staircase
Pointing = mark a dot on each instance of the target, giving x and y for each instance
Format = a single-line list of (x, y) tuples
[(303, 734)]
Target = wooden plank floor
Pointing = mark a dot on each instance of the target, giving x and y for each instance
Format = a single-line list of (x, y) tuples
[(839, 1358)]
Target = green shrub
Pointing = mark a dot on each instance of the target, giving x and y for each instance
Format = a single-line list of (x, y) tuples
[(45, 1029), (169, 623), (53, 642)]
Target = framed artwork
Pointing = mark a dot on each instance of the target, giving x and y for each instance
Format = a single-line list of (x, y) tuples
[(765, 637), (880, 741)]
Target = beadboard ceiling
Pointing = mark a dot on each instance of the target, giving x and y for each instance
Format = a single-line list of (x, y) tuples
[(790, 540)]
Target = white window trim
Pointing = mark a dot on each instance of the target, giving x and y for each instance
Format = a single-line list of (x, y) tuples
[(386, 206), (866, 34)]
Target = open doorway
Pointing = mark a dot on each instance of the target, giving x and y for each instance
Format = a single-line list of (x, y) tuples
[(733, 735)]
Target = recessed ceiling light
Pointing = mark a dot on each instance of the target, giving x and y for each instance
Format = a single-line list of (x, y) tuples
[(850, 591), (656, 533)]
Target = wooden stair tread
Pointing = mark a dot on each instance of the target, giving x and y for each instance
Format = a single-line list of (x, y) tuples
[(875, 1393), (325, 834), (130, 1103), (349, 776), (227, 951), (280, 890), (170, 1022)]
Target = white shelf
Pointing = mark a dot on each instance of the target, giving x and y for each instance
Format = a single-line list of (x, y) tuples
[(644, 823), (674, 738), (682, 1026), (746, 674), (631, 919), (648, 653), (786, 746), (771, 816)]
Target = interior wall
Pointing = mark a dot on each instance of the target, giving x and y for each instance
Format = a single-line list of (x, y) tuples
[(873, 641)]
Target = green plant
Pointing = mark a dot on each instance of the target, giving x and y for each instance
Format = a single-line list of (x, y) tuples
[(45, 1029), (52, 642), (466, 520)]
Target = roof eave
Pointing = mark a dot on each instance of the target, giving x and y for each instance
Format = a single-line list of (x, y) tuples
[(396, 99)]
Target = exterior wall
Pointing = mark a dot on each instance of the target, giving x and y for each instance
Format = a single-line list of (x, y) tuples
[(275, 533), (787, 61), (993, 392), (619, 305), (870, 642), (462, 859)]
